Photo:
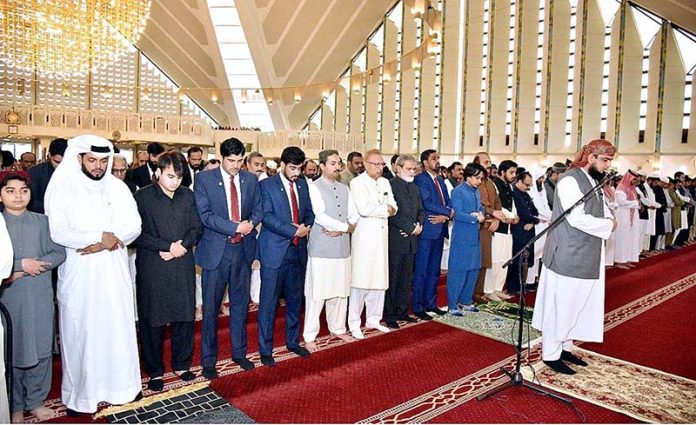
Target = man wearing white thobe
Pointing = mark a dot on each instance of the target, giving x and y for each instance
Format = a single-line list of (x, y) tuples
[(570, 301), (628, 231), (647, 198), (538, 195), (374, 201), (94, 216), (327, 281), (6, 263)]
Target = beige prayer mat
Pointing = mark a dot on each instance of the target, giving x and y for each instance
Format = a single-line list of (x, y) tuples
[(640, 392)]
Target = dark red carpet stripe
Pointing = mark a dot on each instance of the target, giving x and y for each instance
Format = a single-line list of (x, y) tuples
[(354, 381), (661, 338)]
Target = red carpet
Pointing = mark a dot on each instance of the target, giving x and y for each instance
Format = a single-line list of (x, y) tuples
[(354, 381), (661, 338)]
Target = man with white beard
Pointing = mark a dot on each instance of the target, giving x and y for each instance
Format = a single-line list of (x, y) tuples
[(94, 216)]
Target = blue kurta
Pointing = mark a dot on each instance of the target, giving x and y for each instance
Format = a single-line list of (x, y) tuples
[(465, 249)]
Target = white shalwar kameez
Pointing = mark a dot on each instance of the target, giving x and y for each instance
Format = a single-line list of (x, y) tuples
[(6, 263), (327, 280), (542, 205), (369, 250), (648, 200), (568, 308), (501, 251), (628, 236), (95, 296)]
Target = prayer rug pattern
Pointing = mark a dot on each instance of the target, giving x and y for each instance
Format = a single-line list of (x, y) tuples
[(506, 309), (498, 327), (640, 392)]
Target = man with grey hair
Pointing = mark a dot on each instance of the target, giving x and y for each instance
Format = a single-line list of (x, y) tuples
[(119, 169), (404, 228), (327, 281), (256, 164)]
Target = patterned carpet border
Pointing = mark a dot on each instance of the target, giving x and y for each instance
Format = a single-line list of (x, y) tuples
[(640, 392), (454, 394)]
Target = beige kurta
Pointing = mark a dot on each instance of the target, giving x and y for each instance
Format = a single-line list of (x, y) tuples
[(370, 241)]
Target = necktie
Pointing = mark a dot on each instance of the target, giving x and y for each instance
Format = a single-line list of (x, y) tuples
[(234, 207), (295, 211), (153, 178), (439, 191)]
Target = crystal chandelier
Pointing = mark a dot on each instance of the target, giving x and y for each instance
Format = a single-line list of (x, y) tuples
[(62, 38)]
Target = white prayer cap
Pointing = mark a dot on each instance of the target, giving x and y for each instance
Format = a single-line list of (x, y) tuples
[(654, 176), (642, 173), (537, 172), (271, 164), (664, 179)]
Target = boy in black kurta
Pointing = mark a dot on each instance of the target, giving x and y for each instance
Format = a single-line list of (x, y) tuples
[(165, 278)]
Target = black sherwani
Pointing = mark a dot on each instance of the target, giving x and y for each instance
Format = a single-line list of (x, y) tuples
[(166, 290), (402, 250)]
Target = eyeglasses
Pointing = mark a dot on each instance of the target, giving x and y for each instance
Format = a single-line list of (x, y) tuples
[(376, 164), (118, 170)]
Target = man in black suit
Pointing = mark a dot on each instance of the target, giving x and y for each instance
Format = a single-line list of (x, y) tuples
[(147, 174), (404, 228)]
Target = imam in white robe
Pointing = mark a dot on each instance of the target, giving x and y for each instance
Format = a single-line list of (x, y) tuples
[(568, 308)]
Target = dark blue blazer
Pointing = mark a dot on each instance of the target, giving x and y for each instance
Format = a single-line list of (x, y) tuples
[(278, 231), (432, 205), (211, 203)]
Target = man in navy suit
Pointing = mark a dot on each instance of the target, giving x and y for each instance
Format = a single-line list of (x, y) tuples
[(438, 210), (287, 217), (228, 200)]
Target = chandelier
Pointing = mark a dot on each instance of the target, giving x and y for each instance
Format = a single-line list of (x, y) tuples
[(63, 38)]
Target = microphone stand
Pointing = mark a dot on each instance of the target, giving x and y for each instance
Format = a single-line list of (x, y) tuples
[(516, 378)]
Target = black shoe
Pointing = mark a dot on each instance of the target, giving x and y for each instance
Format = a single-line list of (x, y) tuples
[(155, 384), (423, 316), (244, 363), (572, 358), (187, 376), (560, 367), (408, 319), (437, 311), (210, 372), (268, 361), (300, 351), (392, 325), (138, 397), (73, 413)]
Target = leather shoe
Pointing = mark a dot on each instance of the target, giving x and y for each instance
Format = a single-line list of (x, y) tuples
[(155, 384), (244, 363), (268, 361), (560, 367), (423, 316), (210, 372), (187, 376), (300, 351), (408, 319), (73, 413), (572, 358), (437, 311), (393, 325)]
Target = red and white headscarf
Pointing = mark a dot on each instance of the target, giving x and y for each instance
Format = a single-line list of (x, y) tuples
[(595, 147), (627, 187)]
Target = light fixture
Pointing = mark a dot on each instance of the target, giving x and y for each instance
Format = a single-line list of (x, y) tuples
[(59, 38), (298, 97)]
